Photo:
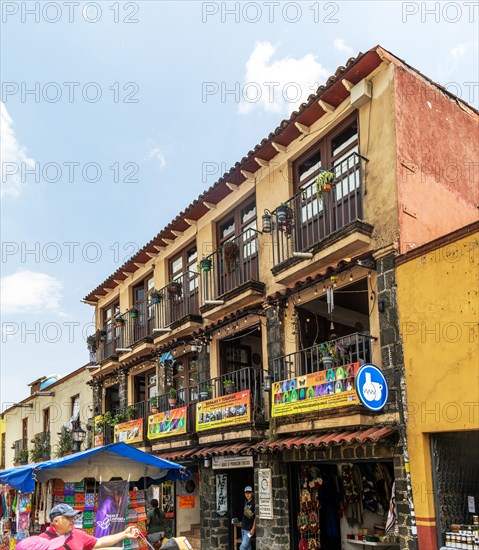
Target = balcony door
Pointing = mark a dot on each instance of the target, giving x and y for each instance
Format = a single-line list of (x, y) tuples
[(112, 336), (239, 264), (142, 325), (184, 271)]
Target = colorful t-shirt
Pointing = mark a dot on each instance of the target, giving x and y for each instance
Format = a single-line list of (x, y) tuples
[(77, 540)]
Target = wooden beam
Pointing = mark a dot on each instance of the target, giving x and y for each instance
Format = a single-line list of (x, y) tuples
[(232, 186), (190, 222), (106, 289), (177, 233), (99, 296), (117, 281), (168, 241), (139, 265), (127, 273), (326, 106), (248, 175), (302, 128), (262, 162), (209, 205), (348, 85), (152, 254), (280, 148), (159, 248)]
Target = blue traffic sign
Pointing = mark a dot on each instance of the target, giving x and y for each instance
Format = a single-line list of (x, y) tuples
[(371, 387)]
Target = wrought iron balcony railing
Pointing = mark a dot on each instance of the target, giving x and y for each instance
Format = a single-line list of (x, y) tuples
[(41, 447), (305, 220), (231, 266), (354, 348)]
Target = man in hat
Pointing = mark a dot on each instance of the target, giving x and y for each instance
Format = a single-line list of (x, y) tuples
[(62, 519), (248, 523)]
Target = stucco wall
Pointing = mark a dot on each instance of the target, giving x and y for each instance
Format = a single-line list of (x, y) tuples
[(60, 412), (438, 310), (437, 161)]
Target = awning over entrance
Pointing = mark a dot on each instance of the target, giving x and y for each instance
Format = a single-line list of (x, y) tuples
[(209, 452), (308, 441)]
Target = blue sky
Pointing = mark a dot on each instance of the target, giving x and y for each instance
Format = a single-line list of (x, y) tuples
[(164, 128)]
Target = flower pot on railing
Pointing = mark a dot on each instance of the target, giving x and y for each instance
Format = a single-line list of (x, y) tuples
[(284, 217), (134, 313), (156, 296), (154, 405), (206, 393), (119, 321), (172, 398), (229, 386), (324, 183), (205, 265), (174, 289)]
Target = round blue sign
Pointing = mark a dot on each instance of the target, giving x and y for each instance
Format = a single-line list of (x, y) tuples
[(371, 387)]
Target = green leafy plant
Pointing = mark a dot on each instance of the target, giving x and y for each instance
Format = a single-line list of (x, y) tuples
[(130, 412), (91, 342), (21, 457), (108, 419), (156, 296), (154, 401), (172, 393), (228, 383), (64, 443), (41, 447), (324, 183)]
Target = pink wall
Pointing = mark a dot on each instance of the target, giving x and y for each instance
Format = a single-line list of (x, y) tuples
[(437, 160)]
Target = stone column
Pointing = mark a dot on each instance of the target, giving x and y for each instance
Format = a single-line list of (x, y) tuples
[(123, 387), (204, 363)]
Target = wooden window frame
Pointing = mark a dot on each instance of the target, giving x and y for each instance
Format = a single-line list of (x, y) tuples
[(46, 420), (238, 223), (185, 264)]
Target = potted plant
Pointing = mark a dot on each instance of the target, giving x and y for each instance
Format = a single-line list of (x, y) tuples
[(229, 386), (172, 397), (101, 335), (156, 296), (174, 288), (130, 412), (134, 312), (91, 342), (205, 264), (328, 354), (205, 393), (231, 253), (154, 405), (64, 443), (324, 183), (21, 457), (119, 320), (108, 419)]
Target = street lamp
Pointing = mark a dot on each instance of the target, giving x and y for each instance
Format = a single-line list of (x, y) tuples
[(78, 436)]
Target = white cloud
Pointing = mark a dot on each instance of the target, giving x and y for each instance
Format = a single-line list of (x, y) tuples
[(158, 155), (14, 157), (459, 51), (30, 292), (340, 45), (278, 86)]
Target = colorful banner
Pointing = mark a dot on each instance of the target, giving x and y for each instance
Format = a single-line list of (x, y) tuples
[(227, 410), (326, 389), (112, 508), (167, 423), (98, 438), (129, 432), (186, 501)]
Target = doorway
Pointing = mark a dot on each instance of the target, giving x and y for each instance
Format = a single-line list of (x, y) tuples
[(238, 479)]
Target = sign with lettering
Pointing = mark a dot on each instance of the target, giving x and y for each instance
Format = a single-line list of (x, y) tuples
[(186, 501), (221, 494), (129, 432), (232, 461), (164, 424), (325, 389), (265, 494), (98, 429), (228, 410)]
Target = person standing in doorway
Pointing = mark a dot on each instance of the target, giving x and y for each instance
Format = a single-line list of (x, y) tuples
[(248, 523), (155, 523)]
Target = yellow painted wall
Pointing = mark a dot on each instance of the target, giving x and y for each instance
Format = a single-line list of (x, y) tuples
[(3, 429), (438, 311), (60, 407)]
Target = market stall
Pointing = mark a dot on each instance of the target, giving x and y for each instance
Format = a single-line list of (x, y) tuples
[(94, 482)]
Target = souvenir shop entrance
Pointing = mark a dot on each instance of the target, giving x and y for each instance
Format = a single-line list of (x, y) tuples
[(238, 480), (338, 505)]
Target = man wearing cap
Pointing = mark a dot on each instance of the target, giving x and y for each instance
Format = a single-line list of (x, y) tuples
[(62, 519), (248, 523)]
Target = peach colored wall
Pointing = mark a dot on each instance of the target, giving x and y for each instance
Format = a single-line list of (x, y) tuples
[(437, 161)]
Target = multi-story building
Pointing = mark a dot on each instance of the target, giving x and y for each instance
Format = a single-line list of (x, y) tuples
[(51, 422), (438, 309), (266, 277)]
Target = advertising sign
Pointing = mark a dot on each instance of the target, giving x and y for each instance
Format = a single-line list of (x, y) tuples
[(232, 461), (167, 423), (112, 508), (265, 494), (186, 501), (228, 410), (372, 387), (98, 428), (326, 389), (129, 432), (221, 494)]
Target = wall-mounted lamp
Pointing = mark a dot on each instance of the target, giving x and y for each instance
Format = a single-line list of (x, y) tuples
[(268, 380), (267, 221), (207, 462)]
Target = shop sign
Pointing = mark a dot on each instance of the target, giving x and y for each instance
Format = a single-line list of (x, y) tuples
[(265, 494), (228, 410), (98, 438), (372, 387), (326, 389), (167, 423), (129, 432), (232, 461), (221, 494), (186, 501)]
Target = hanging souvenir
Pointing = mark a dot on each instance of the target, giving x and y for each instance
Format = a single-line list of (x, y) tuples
[(305, 499), (303, 522), (313, 521), (313, 544)]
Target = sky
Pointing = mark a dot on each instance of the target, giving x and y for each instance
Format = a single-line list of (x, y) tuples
[(116, 115)]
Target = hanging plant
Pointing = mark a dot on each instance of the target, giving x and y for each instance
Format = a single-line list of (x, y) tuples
[(91, 342), (156, 296), (324, 183), (284, 218), (119, 320), (134, 313), (231, 253), (101, 335), (174, 288), (205, 264)]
